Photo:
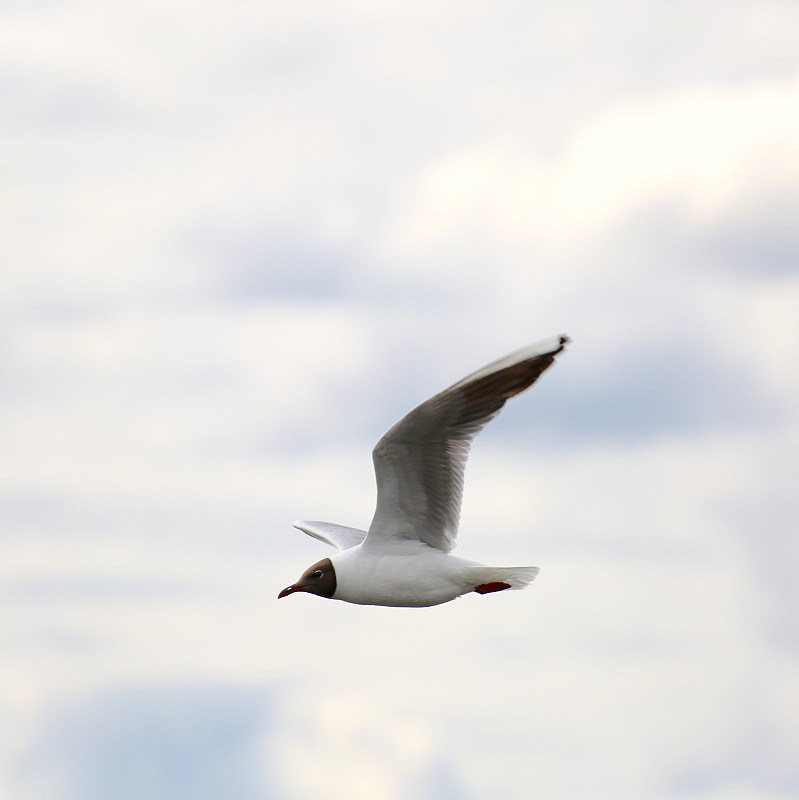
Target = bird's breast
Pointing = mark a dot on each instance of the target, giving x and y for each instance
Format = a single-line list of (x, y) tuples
[(421, 579)]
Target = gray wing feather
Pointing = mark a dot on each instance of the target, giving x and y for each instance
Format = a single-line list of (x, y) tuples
[(339, 536), (419, 463)]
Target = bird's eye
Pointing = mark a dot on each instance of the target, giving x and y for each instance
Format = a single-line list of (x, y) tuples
[(317, 573)]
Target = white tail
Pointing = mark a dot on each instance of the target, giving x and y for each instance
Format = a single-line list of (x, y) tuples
[(515, 577)]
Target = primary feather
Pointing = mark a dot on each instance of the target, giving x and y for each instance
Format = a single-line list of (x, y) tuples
[(419, 463)]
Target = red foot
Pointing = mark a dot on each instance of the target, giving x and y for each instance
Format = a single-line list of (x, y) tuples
[(494, 586)]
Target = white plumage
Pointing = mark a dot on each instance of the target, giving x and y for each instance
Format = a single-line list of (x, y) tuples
[(404, 559)]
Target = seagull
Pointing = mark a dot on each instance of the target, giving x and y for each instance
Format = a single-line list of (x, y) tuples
[(404, 559)]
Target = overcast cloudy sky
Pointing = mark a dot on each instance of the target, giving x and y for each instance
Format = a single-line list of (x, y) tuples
[(241, 239)]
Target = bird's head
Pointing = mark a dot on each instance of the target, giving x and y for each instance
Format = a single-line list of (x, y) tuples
[(319, 578)]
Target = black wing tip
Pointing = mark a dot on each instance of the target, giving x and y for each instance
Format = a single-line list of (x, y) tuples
[(563, 340)]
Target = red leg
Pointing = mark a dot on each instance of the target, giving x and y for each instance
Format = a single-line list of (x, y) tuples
[(494, 586)]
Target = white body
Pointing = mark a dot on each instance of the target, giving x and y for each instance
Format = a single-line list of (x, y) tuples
[(404, 559), (414, 574)]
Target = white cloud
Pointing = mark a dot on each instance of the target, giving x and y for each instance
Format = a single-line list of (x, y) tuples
[(701, 153), (241, 241)]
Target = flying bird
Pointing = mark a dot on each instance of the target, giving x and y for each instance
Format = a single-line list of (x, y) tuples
[(404, 559)]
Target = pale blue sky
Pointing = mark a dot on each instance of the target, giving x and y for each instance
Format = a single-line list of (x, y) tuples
[(241, 240)]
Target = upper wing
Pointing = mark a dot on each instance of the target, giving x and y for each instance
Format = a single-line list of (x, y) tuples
[(339, 536), (419, 463)]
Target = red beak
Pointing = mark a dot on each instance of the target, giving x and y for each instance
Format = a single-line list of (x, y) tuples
[(290, 590)]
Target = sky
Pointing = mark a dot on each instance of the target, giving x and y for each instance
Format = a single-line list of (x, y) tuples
[(242, 239)]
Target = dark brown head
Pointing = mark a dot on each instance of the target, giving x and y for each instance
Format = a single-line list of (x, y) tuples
[(319, 578)]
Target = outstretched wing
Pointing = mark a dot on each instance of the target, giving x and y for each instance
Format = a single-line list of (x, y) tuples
[(419, 463), (339, 536)]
